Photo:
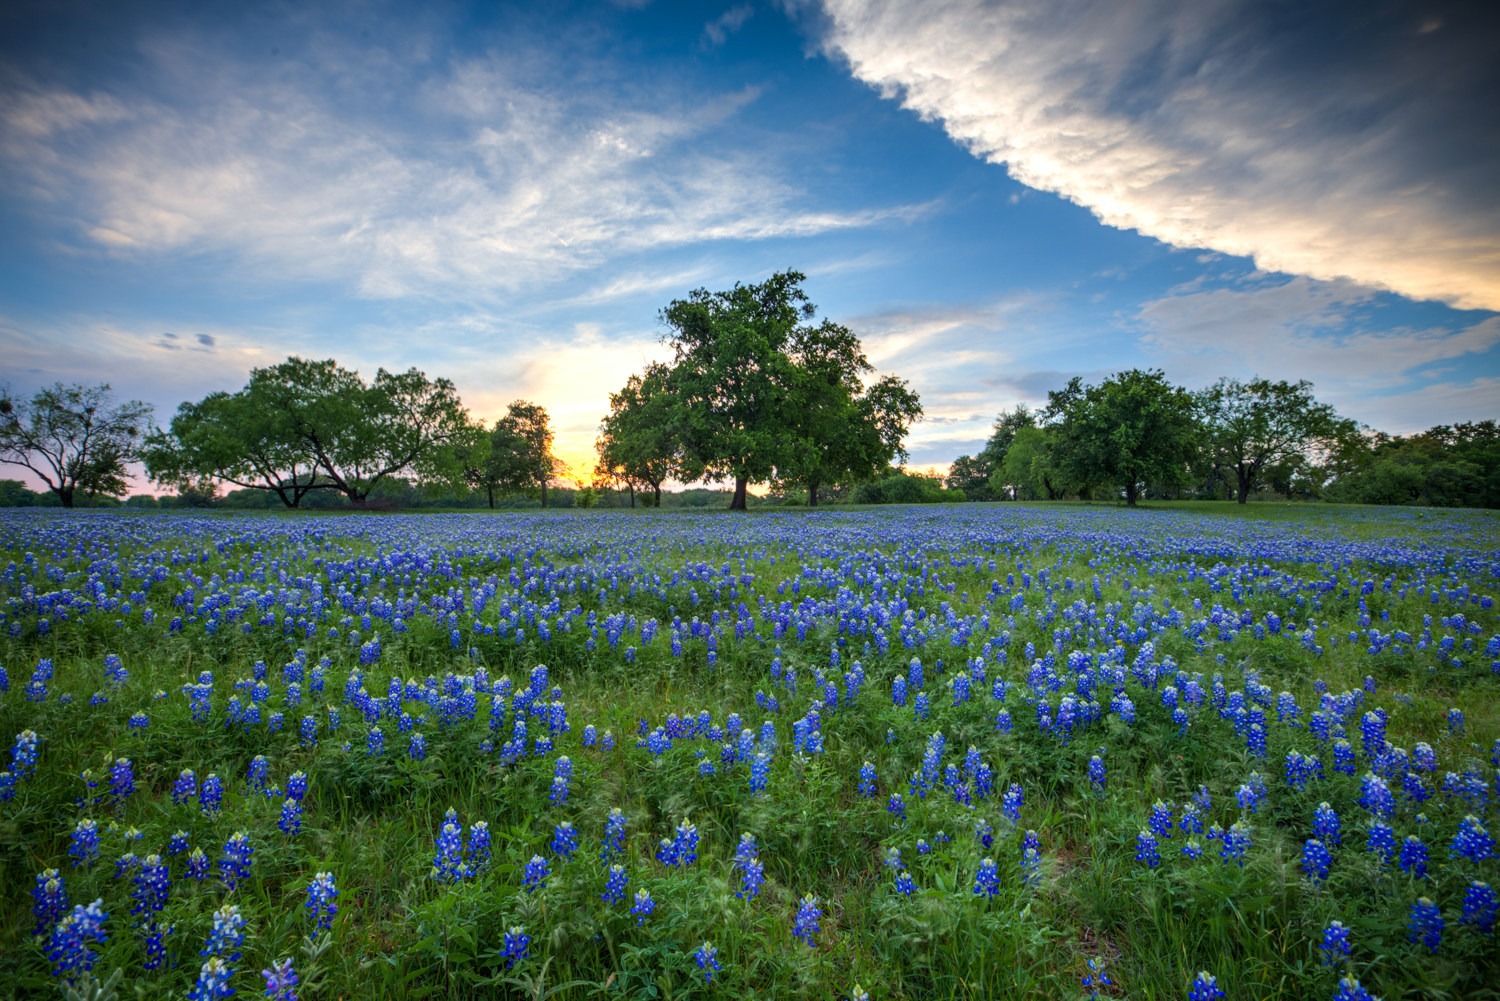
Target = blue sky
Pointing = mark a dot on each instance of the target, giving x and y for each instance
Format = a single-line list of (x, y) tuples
[(996, 197)]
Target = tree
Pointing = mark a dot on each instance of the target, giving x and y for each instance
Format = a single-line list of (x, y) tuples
[(74, 438), (521, 450), (1029, 468), (1132, 428), (837, 429), (242, 438), (358, 434), (1250, 427), (731, 377), (639, 441)]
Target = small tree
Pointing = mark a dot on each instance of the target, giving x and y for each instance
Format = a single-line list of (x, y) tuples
[(74, 438), (1132, 428), (638, 442), (520, 456)]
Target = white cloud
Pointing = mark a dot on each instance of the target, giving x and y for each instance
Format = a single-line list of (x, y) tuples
[(1317, 143), (1322, 331), (717, 31), (491, 174)]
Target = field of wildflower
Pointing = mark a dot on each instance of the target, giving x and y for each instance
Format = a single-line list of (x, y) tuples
[(988, 751)]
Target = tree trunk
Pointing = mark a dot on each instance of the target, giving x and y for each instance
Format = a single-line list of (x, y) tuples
[(631, 487), (1244, 485), (656, 488), (812, 495), (544, 493), (1130, 493), (738, 504), (490, 489), (65, 494)]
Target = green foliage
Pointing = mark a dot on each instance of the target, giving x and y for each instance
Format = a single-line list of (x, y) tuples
[(639, 442), (520, 452), (1445, 466), (899, 486), (74, 438), (1251, 428), (1133, 428)]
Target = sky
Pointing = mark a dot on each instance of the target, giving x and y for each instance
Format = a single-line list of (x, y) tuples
[(994, 196)]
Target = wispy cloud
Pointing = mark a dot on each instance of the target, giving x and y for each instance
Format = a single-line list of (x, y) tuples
[(1316, 142), (717, 31), (495, 173), (1324, 332)]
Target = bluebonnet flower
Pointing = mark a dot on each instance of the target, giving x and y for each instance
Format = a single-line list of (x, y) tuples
[(1248, 798), (516, 944), (896, 806), (1455, 721), (643, 906), (1479, 907), (259, 772), (987, 879), (1425, 924), (1146, 849), (1192, 818), (211, 797), (51, 900), (1350, 989), (23, 756), (1031, 868), (759, 772), (1343, 757), (477, 847), (227, 935), (322, 906), (564, 840), (197, 865), (151, 885), (614, 835), (1192, 849), (213, 981), (417, 747), (1003, 722), (1235, 843), (281, 980), (1205, 987), (1326, 825), (805, 924), (68, 948), (83, 846), (534, 877), (185, 787), (1414, 857), (234, 864), (1472, 841), (867, 779), (1382, 841), (121, 779), (614, 885), (1372, 732), (1010, 803), (1335, 944), (307, 732), (1160, 820), (177, 844), (1096, 978), (707, 958), (291, 817), (448, 863), (1097, 774), (375, 741), (682, 848), (1316, 861), (1375, 796)]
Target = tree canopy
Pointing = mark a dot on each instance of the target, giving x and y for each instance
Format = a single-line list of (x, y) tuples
[(1249, 428), (1134, 427), (74, 438), (639, 443)]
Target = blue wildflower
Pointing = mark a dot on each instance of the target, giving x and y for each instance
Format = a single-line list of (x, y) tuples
[(534, 877), (643, 906), (1425, 924), (1205, 987), (805, 924), (707, 958), (1335, 944)]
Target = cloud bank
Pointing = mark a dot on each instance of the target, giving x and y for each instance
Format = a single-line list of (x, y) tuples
[(1334, 140)]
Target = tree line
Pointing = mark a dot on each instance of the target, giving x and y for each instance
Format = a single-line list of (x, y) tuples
[(1136, 433), (758, 391)]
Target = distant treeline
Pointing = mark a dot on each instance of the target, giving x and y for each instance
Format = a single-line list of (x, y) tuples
[(1136, 435), (757, 393)]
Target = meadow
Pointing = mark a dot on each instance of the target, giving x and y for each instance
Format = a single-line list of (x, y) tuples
[(982, 751)]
